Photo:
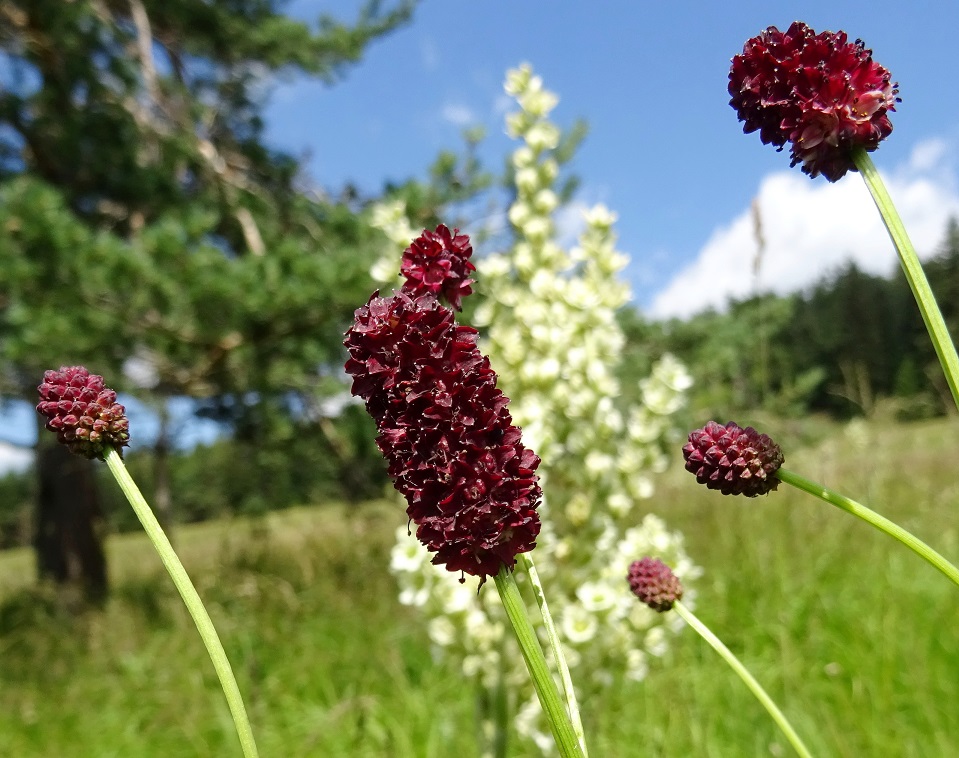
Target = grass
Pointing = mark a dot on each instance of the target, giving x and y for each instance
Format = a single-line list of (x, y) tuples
[(853, 635)]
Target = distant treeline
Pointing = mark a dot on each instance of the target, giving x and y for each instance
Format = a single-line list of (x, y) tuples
[(853, 344)]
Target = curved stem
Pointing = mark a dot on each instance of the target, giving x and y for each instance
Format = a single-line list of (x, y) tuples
[(931, 315), (190, 597), (881, 523), (737, 666), (526, 561), (559, 720)]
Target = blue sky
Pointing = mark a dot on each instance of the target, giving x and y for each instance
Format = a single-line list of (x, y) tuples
[(665, 150)]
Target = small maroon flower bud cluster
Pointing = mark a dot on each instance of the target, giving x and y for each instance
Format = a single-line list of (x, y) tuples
[(439, 262), (444, 427), (83, 412), (654, 583), (733, 460), (821, 93)]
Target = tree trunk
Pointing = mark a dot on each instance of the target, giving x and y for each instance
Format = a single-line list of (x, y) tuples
[(68, 533), (162, 498)]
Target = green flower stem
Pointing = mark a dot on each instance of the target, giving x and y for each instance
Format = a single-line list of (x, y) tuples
[(549, 698), (744, 674), (189, 594), (526, 561), (916, 277), (881, 523)]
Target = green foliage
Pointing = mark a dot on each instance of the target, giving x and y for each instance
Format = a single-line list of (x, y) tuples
[(144, 217), (850, 634), (17, 493), (137, 107), (943, 270), (57, 294)]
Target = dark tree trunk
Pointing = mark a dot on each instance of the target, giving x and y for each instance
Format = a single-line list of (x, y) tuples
[(162, 497), (69, 523)]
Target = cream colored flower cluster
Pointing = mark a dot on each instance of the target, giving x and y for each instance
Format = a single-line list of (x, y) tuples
[(549, 317)]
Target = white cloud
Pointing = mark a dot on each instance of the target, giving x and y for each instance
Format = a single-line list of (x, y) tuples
[(570, 221), (429, 54), (458, 114), (927, 155), (13, 458), (502, 105), (811, 227), (292, 92)]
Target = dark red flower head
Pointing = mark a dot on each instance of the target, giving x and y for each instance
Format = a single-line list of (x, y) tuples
[(821, 93), (446, 433), (82, 411), (654, 583), (733, 460), (439, 262)]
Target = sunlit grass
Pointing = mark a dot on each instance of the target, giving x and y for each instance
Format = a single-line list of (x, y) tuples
[(854, 636)]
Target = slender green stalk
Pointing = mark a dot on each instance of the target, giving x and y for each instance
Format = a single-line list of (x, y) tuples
[(189, 594), (881, 523), (526, 561), (744, 674), (931, 315), (559, 720)]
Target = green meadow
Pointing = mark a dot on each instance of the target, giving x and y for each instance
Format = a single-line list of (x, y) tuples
[(855, 637)]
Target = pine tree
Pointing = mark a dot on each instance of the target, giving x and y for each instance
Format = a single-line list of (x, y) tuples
[(147, 229)]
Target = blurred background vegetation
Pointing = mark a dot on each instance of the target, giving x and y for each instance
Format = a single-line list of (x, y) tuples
[(149, 232)]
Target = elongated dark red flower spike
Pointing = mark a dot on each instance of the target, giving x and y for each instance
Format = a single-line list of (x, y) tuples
[(733, 460), (819, 92), (82, 411), (445, 430), (439, 262), (654, 583)]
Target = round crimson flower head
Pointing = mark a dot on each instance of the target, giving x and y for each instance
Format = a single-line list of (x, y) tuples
[(83, 412), (733, 460), (439, 262), (654, 583), (446, 433), (819, 92)]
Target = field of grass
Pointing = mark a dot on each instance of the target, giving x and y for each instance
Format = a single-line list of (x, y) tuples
[(854, 636)]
